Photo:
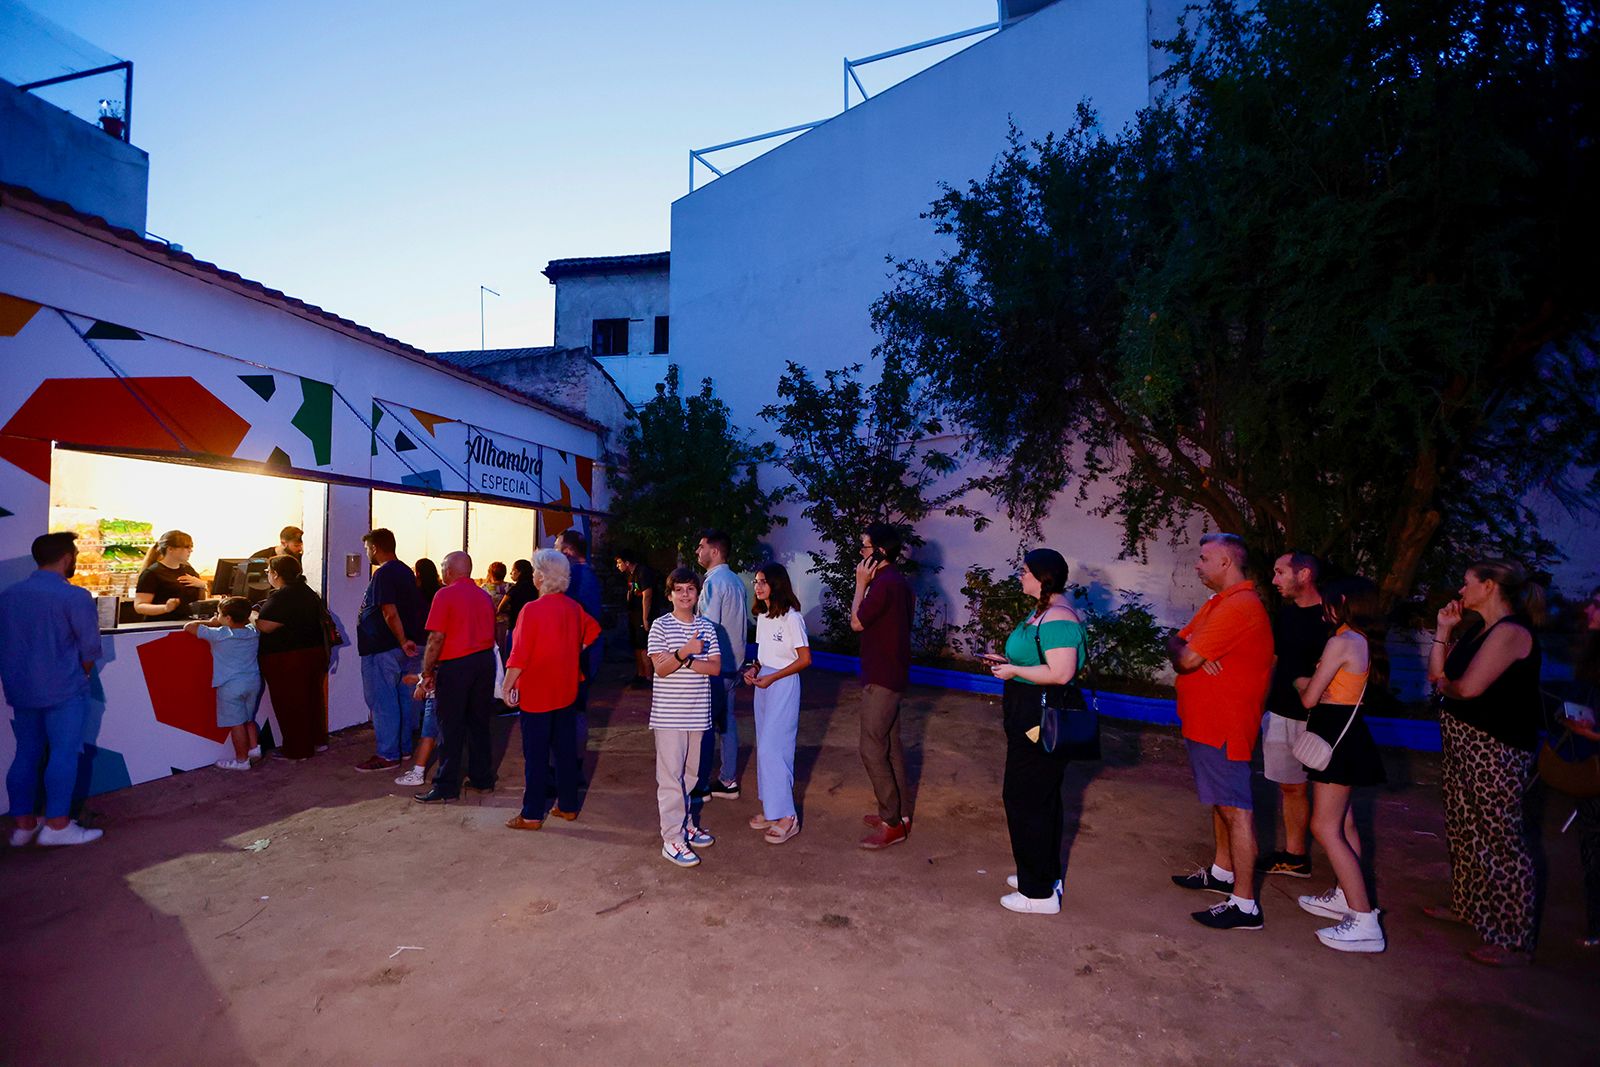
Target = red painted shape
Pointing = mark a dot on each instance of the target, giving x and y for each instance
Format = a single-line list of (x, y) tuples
[(586, 475), (27, 454), (107, 413), (177, 673)]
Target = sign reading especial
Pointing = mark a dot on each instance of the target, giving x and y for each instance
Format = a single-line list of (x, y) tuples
[(504, 466)]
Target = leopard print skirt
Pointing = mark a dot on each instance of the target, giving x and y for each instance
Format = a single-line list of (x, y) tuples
[(1492, 882)]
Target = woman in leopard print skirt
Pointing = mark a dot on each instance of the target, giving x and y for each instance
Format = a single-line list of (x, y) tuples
[(1488, 675)]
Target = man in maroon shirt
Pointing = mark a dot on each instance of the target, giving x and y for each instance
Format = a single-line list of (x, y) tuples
[(881, 614)]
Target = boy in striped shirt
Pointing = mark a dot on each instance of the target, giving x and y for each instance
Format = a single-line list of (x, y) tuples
[(683, 651)]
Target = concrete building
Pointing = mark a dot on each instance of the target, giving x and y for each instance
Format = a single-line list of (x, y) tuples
[(616, 307), (64, 158), (569, 377)]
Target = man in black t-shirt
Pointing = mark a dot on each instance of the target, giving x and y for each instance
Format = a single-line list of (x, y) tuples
[(387, 632), (291, 542), (1299, 632)]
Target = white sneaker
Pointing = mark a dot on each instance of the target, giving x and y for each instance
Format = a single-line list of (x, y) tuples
[(21, 838), (1329, 905), (255, 753), (70, 834), (233, 764), (1011, 880), (1050, 905), (1357, 932), (415, 776)]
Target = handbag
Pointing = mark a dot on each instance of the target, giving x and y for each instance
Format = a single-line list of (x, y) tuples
[(1568, 763), (1066, 721), (1313, 750)]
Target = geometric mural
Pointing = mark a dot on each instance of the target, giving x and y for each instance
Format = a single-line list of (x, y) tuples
[(177, 673)]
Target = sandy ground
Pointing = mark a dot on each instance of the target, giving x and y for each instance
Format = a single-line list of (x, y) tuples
[(167, 942)]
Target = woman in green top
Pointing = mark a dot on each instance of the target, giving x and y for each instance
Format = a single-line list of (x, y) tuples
[(1032, 790)]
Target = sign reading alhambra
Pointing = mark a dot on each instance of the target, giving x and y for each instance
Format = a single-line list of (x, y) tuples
[(503, 466)]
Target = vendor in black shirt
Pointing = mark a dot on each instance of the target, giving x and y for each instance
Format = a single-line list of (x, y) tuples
[(168, 585), (290, 543)]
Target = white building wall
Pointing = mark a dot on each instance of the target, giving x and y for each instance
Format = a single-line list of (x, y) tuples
[(638, 296)]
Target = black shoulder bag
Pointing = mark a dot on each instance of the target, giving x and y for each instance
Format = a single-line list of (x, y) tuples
[(1067, 723)]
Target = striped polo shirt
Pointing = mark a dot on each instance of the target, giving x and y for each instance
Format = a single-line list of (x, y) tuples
[(681, 700)]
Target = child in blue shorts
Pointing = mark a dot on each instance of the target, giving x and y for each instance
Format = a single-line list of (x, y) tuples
[(234, 676)]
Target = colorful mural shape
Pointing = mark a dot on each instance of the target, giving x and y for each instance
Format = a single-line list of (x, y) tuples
[(177, 674), (15, 313)]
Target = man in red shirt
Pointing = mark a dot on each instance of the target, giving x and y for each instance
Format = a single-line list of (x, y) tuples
[(459, 663), (1224, 663)]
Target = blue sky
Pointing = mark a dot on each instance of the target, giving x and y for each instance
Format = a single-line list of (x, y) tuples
[(382, 160)]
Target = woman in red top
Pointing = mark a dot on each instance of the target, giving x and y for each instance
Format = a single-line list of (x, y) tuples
[(542, 676)]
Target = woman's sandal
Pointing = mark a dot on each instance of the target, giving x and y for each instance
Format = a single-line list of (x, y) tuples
[(1500, 956), (777, 835), (757, 822), (1444, 913)]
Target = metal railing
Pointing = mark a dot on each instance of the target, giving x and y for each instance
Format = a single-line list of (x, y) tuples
[(125, 120), (698, 155)]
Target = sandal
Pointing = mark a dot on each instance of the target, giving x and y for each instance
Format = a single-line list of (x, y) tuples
[(777, 835), (1444, 913), (517, 822), (758, 822), (1500, 956)]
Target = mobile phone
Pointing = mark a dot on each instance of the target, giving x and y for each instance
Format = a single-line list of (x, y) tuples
[(1578, 712)]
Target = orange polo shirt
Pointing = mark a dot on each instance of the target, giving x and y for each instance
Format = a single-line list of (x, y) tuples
[(464, 614), (1232, 629)]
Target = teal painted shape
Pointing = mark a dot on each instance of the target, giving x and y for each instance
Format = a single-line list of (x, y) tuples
[(263, 385), (402, 443), (315, 418), (110, 331), (424, 480), (100, 770)]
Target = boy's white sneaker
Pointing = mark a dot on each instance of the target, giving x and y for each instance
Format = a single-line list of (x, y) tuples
[(21, 838), (255, 753), (1329, 905), (233, 764), (70, 834), (414, 777)]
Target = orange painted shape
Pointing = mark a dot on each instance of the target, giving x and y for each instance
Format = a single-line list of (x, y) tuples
[(428, 421), (107, 413), (27, 455), (177, 673), (15, 313), (586, 475), (558, 521)]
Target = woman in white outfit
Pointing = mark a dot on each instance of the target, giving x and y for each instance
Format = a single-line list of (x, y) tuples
[(784, 651)]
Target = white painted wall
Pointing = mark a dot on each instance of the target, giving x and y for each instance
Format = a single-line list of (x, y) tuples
[(635, 295)]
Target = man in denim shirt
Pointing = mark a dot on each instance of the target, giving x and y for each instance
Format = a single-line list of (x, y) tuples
[(49, 640)]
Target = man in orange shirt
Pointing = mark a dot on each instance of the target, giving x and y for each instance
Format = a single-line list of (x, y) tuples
[(459, 664), (1224, 663)]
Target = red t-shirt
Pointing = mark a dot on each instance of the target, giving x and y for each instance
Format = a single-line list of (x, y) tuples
[(550, 635), (464, 614), (1231, 628)]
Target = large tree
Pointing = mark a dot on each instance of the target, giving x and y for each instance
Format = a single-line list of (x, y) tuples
[(686, 468), (1336, 289)]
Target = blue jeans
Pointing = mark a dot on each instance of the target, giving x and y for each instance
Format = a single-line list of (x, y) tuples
[(723, 735), (777, 724), (58, 728), (394, 713)]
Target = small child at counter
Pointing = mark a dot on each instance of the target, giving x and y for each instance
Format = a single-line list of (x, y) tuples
[(234, 676)]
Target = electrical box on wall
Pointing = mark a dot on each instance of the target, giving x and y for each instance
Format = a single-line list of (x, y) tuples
[(352, 565)]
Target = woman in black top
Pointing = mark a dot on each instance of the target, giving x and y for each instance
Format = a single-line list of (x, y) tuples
[(168, 585), (428, 582), (294, 659), (1488, 675), (519, 595)]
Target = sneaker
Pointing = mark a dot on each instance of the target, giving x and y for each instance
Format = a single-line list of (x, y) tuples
[(1201, 878), (682, 855), (414, 777), (885, 835), (1329, 905), (233, 764), (699, 838), (1293, 864), (376, 763), (1228, 916), (1355, 933), (255, 753), (1011, 880), (21, 838), (724, 790), (1050, 905), (70, 834)]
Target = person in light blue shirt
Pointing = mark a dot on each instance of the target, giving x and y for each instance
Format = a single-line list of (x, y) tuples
[(49, 641), (235, 676), (725, 601)]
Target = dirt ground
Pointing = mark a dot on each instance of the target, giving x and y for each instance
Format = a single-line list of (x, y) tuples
[(169, 942)]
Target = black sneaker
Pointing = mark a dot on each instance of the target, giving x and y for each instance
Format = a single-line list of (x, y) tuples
[(1227, 916), (725, 790), (1293, 864), (1200, 878)]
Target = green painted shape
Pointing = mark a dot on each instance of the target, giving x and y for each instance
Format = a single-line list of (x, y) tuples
[(263, 385), (315, 418), (110, 331), (402, 443), (280, 458)]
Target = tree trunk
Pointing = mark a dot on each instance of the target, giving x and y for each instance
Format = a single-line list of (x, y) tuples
[(1415, 523)]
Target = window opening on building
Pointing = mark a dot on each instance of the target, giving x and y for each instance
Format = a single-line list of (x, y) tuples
[(610, 337), (660, 348)]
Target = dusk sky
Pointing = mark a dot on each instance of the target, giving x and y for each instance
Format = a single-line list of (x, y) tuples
[(383, 160)]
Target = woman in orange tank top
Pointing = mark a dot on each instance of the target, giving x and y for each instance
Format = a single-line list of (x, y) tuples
[(1333, 695)]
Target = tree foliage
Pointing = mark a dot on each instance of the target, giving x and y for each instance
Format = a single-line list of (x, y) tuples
[(688, 468), (1336, 289), (859, 454)]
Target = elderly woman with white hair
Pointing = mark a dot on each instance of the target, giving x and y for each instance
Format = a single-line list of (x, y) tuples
[(542, 676)]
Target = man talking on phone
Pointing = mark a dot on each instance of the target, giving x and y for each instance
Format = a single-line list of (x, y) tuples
[(881, 613)]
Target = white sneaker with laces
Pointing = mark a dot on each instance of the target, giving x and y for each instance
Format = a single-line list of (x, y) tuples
[(415, 776), (681, 855), (1011, 880), (70, 834), (1050, 905), (699, 838), (21, 838), (255, 753), (233, 764), (1356, 932), (1329, 905)]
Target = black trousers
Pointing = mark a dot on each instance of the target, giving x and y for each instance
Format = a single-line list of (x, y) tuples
[(1032, 795), (464, 688)]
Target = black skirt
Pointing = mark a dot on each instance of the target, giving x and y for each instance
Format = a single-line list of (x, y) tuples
[(1356, 760)]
